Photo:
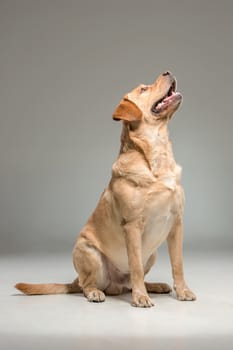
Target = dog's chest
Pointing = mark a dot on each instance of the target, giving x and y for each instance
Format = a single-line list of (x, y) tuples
[(160, 211)]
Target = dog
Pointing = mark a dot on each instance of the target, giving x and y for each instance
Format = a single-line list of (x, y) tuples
[(141, 207)]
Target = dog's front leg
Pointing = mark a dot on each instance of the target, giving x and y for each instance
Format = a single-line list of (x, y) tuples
[(175, 247), (133, 236)]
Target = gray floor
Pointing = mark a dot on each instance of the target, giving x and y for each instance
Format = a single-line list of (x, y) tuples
[(70, 322)]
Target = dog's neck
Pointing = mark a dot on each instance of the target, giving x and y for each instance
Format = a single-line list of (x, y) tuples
[(154, 145)]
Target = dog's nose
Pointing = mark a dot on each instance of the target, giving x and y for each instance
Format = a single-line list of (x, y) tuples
[(166, 73)]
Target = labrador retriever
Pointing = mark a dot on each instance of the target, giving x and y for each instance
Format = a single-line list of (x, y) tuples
[(141, 207)]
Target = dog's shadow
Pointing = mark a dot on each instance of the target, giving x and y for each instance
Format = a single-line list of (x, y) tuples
[(125, 297)]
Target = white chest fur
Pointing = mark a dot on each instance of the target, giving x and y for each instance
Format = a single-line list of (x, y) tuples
[(160, 212), (157, 228)]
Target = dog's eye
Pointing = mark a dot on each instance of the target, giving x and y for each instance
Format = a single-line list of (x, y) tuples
[(143, 89)]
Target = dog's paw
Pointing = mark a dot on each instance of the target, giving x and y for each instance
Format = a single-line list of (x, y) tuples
[(96, 296), (185, 294), (142, 300), (159, 288)]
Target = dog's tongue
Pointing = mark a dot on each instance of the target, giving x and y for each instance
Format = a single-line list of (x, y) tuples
[(165, 100)]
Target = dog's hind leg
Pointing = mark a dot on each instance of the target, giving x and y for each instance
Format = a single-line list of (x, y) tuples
[(160, 288), (89, 264)]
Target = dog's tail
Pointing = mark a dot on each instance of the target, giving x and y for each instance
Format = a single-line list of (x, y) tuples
[(49, 288)]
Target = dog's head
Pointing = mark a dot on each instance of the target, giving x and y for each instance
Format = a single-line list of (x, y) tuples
[(150, 103)]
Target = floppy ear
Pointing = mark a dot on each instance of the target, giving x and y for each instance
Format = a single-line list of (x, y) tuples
[(127, 110)]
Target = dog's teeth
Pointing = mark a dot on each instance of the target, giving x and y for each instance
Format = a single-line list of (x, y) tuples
[(160, 104)]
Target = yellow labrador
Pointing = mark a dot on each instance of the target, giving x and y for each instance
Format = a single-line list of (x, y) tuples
[(141, 207)]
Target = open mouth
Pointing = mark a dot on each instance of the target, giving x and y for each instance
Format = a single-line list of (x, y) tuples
[(166, 100)]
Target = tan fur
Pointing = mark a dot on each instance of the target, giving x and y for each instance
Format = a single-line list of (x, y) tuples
[(49, 288), (141, 207)]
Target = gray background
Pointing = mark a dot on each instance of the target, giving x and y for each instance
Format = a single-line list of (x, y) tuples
[(64, 67)]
